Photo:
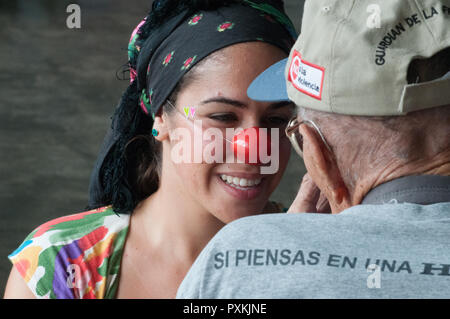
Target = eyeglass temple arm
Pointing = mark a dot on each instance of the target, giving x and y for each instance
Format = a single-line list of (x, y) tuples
[(297, 125)]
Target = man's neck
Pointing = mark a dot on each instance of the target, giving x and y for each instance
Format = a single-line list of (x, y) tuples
[(440, 165), (443, 170)]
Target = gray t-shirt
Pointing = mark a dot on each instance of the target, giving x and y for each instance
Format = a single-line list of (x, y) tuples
[(394, 250)]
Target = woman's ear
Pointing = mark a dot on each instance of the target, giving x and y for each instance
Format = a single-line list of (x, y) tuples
[(323, 169), (160, 128)]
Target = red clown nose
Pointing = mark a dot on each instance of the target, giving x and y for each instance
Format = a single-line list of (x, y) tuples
[(251, 144)]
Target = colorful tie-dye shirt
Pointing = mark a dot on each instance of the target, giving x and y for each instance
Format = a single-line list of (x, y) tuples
[(74, 257)]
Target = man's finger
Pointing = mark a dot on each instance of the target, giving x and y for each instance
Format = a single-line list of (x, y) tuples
[(323, 206), (307, 197)]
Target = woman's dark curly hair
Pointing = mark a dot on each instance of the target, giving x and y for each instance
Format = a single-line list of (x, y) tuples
[(130, 172)]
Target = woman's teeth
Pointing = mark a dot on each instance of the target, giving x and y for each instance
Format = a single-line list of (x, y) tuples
[(241, 182)]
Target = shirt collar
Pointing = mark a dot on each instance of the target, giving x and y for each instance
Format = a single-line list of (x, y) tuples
[(422, 190)]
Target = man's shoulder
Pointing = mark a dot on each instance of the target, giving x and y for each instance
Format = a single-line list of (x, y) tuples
[(259, 228), (278, 222), (284, 226)]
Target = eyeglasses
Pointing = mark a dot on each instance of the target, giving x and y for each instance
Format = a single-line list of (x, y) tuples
[(297, 139)]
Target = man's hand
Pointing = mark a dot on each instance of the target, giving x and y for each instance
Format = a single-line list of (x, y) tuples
[(309, 199)]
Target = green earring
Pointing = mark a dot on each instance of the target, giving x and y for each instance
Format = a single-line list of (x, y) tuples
[(155, 133)]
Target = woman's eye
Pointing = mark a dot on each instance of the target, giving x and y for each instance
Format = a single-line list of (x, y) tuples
[(224, 117)]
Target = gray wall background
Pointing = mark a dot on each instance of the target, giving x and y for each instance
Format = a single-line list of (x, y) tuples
[(58, 90)]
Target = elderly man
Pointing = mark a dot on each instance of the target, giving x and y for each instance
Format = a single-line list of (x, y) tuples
[(372, 82)]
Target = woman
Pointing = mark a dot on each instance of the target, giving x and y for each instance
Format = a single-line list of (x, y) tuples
[(198, 56)]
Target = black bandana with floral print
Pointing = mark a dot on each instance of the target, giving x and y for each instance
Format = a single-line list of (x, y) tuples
[(184, 42)]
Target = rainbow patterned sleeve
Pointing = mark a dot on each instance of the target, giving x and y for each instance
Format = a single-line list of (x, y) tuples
[(74, 257)]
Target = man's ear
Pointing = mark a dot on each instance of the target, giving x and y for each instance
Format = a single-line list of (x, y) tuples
[(161, 126), (323, 169)]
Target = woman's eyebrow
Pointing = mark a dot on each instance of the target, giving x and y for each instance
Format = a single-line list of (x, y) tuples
[(224, 100), (240, 104)]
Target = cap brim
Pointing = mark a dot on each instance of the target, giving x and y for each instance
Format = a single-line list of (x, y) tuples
[(270, 86)]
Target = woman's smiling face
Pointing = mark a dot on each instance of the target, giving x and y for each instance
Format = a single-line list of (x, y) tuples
[(218, 94)]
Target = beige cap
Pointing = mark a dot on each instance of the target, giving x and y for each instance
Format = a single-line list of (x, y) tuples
[(352, 56)]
